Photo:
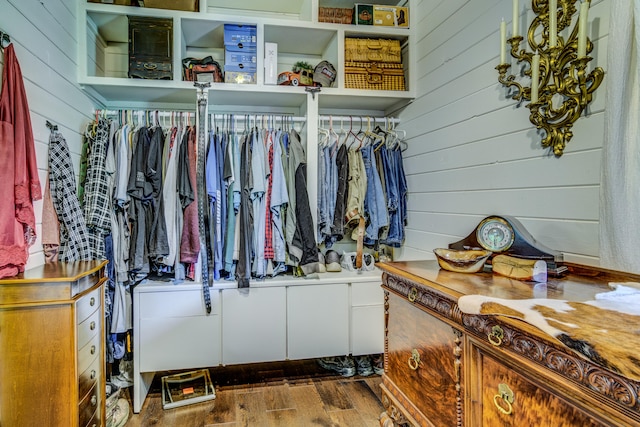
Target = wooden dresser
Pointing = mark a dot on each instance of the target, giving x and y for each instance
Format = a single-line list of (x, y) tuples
[(52, 369), (444, 367)]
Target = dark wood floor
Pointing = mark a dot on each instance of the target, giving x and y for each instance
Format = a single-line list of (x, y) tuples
[(279, 394)]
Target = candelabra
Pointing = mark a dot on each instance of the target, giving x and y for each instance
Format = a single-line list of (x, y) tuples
[(560, 88)]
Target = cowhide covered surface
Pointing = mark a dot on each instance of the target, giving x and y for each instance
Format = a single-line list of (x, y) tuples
[(606, 329)]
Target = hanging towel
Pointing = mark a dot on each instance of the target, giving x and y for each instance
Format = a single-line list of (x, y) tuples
[(19, 182)]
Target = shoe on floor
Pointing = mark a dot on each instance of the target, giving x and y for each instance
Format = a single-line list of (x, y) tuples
[(363, 366), (342, 365), (378, 364)]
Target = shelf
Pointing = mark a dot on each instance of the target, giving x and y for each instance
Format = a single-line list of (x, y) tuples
[(103, 61)]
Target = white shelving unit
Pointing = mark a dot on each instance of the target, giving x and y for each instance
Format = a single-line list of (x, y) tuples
[(293, 25)]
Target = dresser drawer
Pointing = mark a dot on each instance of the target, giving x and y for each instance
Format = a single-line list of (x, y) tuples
[(88, 353), (89, 406), (86, 305), (88, 378), (501, 396), (89, 328), (421, 356)]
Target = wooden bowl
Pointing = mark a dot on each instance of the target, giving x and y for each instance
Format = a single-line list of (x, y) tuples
[(461, 261)]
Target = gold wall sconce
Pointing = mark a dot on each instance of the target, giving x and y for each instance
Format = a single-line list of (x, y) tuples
[(560, 88)]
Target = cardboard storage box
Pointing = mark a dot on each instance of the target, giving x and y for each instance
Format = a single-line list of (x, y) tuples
[(390, 16), (187, 5), (240, 37), (239, 77), (242, 59)]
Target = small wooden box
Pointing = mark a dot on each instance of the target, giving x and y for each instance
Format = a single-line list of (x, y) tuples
[(150, 48), (374, 76)]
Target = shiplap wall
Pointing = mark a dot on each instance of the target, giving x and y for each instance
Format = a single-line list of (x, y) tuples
[(473, 153), (44, 37)]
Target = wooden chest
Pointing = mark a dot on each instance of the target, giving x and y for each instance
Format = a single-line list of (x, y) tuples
[(150, 48), (446, 367)]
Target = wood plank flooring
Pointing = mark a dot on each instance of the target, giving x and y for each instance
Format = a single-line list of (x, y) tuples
[(278, 394)]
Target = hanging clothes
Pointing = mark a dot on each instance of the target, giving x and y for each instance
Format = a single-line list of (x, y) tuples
[(74, 236), (97, 201), (245, 223), (19, 182), (299, 228)]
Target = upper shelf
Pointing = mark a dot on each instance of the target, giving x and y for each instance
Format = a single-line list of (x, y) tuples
[(103, 56)]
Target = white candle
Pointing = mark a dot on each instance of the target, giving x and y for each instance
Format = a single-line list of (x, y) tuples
[(535, 75), (582, 29), (553, 23), (516, 18), (503, 42)]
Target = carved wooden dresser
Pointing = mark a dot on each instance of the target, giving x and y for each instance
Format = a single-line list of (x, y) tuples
[(52, 365), (446, 367)]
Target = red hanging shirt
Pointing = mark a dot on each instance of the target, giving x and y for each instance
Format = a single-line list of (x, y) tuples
[(19, 182)]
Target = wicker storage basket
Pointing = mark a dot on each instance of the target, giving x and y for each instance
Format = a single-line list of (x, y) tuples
[(372, 75), (335, 15), (372, 50)]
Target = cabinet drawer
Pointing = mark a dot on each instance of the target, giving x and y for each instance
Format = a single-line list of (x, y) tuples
[(88, 378), (86, 305), (88, 353), (526, 403), (88, 328), (178, 303), (179, 343), (429, 384), (88, 406), (367, 293)]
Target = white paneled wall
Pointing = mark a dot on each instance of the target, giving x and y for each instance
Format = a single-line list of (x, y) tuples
[(44, 37), (473, 153)]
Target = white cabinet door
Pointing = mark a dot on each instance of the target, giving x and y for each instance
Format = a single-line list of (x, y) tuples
[(367, 330), (254, 327), (175, 332), (318, 321), (367, 318)]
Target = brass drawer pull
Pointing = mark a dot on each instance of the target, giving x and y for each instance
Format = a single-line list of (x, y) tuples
[(506, 395), (413, 294), (92, 325), (92, 301), (148, 66), (93, 349), (93, 374), (94, 400), (496, 335), (414, 360)]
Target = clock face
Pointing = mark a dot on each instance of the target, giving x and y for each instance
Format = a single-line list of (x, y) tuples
[(495, 234)]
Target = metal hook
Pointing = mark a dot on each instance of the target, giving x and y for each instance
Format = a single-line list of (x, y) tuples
[(5, 40)]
